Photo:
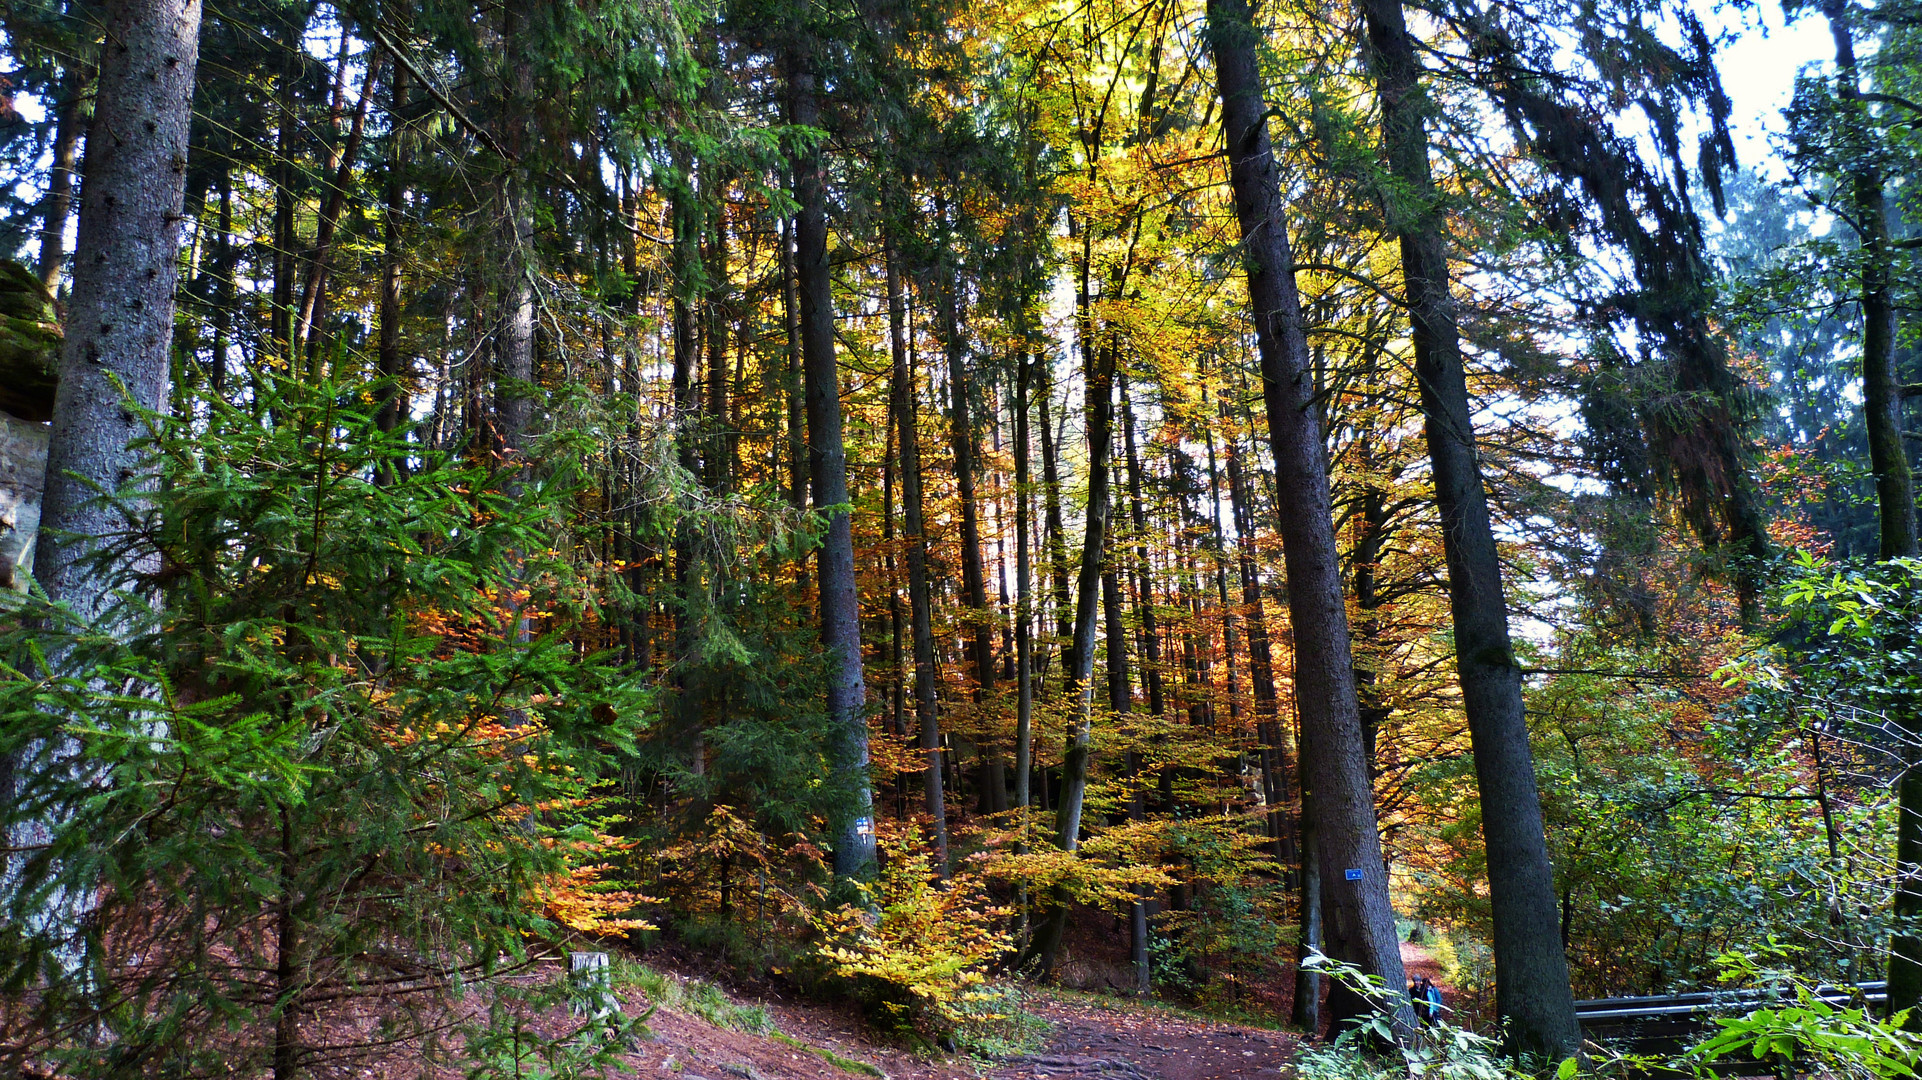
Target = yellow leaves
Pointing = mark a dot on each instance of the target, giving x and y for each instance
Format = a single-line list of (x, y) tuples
[(1105, 872), (891, 755), (934, 943)]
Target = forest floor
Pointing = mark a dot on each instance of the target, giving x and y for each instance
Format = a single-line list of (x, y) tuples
[(1087, 1037), (700, 1034), (708, 1025)]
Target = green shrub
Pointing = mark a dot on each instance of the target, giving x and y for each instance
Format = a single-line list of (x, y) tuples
[(338, 738)]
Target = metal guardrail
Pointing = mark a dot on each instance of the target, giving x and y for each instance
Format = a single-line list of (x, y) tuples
[(1668, 1023), (1628, 1010)]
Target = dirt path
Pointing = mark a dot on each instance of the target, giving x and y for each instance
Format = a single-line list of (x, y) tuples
[(703, 1032), (1420, 962), (1100, 1039)]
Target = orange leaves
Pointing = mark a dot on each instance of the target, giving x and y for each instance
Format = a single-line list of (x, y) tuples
[(891, 755), (583, 898), (929, 944), (702, 873)]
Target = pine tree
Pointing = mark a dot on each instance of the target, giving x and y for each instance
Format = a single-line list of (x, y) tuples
[(1359, 922)]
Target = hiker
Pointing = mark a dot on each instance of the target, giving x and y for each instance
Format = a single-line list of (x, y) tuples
[(1419, 998), (1432, 1007)]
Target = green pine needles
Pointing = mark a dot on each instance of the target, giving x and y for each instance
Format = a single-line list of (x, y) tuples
[(328, 759)]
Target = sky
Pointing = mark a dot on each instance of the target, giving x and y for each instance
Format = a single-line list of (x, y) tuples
[(1758, 70)]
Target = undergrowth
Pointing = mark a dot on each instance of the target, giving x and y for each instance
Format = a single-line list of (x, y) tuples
[(693, 997)]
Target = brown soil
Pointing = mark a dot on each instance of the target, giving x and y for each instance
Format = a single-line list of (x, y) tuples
[(1095, 1035), (1119, 1040), (1091, 1038)]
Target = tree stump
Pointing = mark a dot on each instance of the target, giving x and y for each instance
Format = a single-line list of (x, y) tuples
[(591, 985)]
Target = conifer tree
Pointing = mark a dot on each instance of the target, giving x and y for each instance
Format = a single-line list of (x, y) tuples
[(1359, 924), (827, 469), (1533, 996)]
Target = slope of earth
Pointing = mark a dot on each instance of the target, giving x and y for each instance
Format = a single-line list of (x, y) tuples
[(699, 1031), (1089, 1038), (1109, 1038)]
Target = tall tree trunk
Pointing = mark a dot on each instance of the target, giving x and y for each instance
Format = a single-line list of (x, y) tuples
[(828, 474), (1023, 592), (1121, 700), (1894, 490), (225, 290), (1881, 389), (897, 631), (395, 369), (1370, 520), (1230, 646), (1098, 372), (719, 469), (70, 120), (974, 586), (1151, 674), (796, 426), (120, 313), (1307, 1006), (1359, 921), (281, 318), (514, 339), (119, 329), (919, 601), (313, 300), (1055, 546), (1532, 992), (1277, 768)]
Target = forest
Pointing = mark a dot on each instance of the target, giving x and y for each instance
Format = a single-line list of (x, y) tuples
[(930, 506)]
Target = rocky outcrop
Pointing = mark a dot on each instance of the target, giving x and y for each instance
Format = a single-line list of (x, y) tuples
[(29, 371), (23, 474)]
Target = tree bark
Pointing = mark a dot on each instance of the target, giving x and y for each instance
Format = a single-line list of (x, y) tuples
[(70, 120), (1055, 544), (514, 340), (1532, 993), (1277, 766), (919, 601), (1307, 1005), (281, 317), (1024, 599), (1359, 921), (120, 314), (1894, 490), (225, 290), (720, 470), (1098, 372), (796, 429), (313, 300), (394, 368), (119, 331), (854, 851), (1151, 676)]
